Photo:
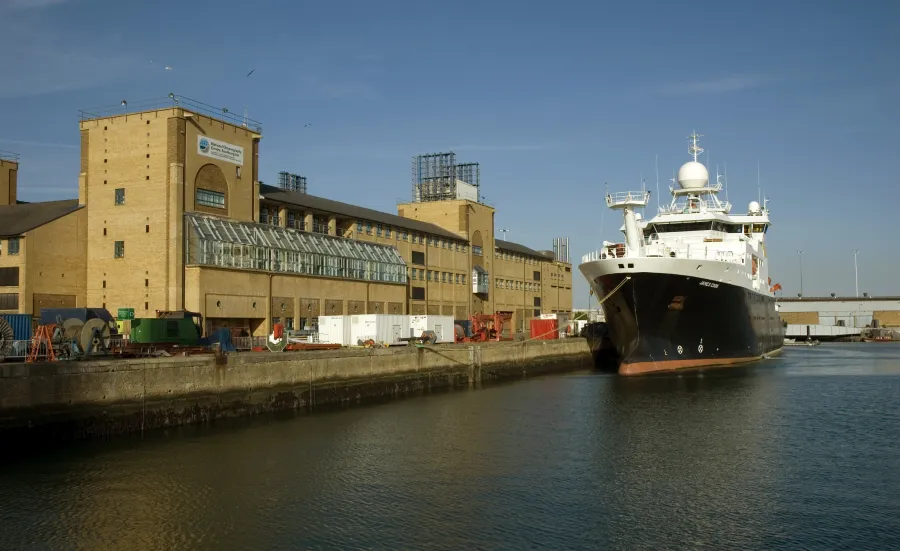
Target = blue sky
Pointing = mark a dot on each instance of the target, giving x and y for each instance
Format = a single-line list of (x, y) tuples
[(553, 99)]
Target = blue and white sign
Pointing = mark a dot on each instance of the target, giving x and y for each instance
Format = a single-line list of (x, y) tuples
[(223, 151)]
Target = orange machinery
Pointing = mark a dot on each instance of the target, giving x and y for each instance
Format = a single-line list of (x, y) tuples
[(488, 327)]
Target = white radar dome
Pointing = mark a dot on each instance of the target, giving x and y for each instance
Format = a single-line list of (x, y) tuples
[(753, 208), (693, 175), (637, 216)]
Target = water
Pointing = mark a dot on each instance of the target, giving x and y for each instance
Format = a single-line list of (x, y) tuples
[(801, 452)]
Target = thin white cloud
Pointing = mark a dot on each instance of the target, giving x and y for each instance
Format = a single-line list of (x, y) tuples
[(732, 83), (42, 62), (512, 147), (40, 144), (30, 4)]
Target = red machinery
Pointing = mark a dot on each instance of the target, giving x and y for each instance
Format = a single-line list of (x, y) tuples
[(488, 327)]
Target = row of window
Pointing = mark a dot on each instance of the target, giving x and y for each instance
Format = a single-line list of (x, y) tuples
[(515, 257), (517, 285), (383, 230), (12, 245), (444, 277), (746, 229), (203, 197)]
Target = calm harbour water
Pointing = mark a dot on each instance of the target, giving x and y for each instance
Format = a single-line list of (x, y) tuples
[(800, 452)]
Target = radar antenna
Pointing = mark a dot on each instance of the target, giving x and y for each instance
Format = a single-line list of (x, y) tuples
[(695, 148)]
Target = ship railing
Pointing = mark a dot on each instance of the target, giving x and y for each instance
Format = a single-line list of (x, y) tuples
[(627, 198), (616, 250), (698, 252), (698, 205)]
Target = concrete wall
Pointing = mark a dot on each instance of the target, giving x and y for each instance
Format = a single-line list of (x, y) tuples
[(75, 399), (8, 177)]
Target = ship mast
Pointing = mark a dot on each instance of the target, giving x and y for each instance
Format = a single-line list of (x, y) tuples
[(695, 149)]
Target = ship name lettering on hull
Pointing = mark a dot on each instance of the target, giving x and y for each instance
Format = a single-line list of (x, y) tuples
[(709, 284)]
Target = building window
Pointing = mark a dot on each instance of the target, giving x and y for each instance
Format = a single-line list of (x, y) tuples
[(415, 273), (457, 279), (291, 219), (443, 277), (12, 246), (209, 198), (476, 250), (264, 216), (120, 196), (464, 279), (404, 236), (237, 172), (9, 301), (537, 276), (418, 257), (9, 277), (418, 293), (119, 250), (387, 232), (429, 275), (537, 312), (379, 231)]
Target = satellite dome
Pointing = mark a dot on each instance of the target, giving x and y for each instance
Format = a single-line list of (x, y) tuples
[(637, 216), (753, 208), (693, 175)]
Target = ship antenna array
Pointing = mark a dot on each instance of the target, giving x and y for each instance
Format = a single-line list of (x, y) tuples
[(695, 148), (656, 166)]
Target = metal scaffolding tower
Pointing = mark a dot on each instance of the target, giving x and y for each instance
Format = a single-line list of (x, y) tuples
[(292, 182), (436, 177)]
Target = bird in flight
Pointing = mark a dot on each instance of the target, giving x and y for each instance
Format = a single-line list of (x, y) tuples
[(307, 124), (251, 72)]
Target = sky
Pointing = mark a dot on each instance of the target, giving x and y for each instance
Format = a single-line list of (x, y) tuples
[(555, 100)]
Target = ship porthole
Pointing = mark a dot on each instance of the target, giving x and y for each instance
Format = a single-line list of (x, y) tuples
[(680, 349), (700, 349)]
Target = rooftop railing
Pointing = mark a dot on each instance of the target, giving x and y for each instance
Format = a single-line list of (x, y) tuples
[(9, 156), (127, 107)]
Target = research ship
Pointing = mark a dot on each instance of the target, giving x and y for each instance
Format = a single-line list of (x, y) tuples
[(690, 287)]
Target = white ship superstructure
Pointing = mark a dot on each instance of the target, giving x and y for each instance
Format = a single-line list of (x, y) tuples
[(696, 228)]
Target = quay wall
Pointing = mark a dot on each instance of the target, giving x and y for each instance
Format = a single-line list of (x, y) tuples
[(74, 400)]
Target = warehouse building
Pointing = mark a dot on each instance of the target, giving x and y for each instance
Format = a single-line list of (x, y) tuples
[(174, 217), (859, 312), (42, 249)]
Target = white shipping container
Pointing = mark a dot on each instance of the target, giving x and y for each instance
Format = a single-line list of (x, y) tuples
[(441, 325), (382, 328), (334, 330)]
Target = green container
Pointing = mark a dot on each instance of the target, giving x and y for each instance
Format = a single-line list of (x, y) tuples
[(164, 331)]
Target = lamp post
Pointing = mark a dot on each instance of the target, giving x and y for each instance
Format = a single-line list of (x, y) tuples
[(800, 257), (856, 271)]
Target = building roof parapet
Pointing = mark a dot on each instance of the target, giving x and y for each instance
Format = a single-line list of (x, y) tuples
[(9, 156), (126, 107)]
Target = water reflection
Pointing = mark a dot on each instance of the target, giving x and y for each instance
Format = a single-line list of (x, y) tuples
[(779, 455)]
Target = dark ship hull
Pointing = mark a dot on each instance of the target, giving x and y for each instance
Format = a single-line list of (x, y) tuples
[(662, 322)]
